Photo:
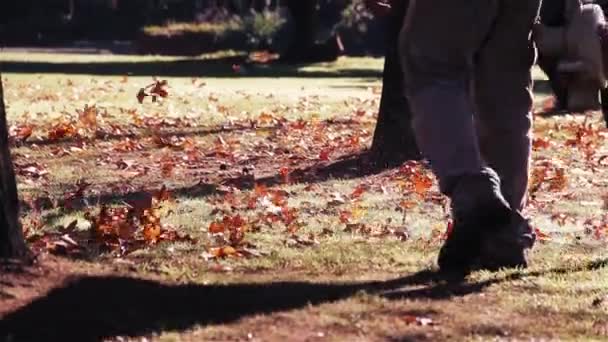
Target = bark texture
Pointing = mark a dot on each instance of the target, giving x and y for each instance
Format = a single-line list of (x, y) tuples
[(12, 243)]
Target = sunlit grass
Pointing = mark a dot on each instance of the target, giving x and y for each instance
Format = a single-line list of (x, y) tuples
[(552, 300)]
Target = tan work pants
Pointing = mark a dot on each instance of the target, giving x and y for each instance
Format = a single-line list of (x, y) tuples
[(467, 66)]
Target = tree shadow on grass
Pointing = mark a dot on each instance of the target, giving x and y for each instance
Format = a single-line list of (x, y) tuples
[(95, 308), (347, 167), (186, 67), (140, 133)]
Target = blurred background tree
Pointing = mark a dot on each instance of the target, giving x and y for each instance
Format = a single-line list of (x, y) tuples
[(303, 30)]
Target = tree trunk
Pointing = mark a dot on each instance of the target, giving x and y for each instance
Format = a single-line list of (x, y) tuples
[(304, 14), (604, 99), (12, 243), (303, 47), (394, 140)]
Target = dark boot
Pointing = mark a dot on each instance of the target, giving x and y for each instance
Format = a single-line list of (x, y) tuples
[(487, 233), (477, 206), (507, 245)]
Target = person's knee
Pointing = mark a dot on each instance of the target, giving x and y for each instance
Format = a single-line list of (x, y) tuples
[(508, 125), (424, 65), (505, 106)]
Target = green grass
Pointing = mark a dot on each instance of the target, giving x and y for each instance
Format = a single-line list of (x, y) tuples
[(185, 27), (552, 300)]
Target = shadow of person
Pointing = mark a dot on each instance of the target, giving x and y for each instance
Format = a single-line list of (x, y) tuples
[(95, 308)]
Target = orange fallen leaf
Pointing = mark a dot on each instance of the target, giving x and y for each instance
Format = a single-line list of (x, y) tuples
[(262, 57), (216, 228), (223, 252), (152, 233), (260, 190), (541, 236), (167, 165), (559, 181), (284, 173), (324, 154), (359, 190), (541, 143), (422, 183), (561, 218), (152, 226), (163, 194), (20, 133), (266, 118), (174, 236), (406, 205), (289, 215), (345, 216), (156, 89), (354, 141), (88, 117), (62, 130)]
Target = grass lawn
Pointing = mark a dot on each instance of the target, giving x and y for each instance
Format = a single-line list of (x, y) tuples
[(267, 230)]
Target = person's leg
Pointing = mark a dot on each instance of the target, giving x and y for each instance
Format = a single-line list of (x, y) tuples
[(438, 45), (503, 94)]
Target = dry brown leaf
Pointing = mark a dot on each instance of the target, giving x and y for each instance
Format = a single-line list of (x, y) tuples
[(127, 145), (62, 130), (422, 321), (156, 89), (88, 117), (223, 252), (31, 170), (541, 236), (324, 154), (263, 57), (345, 217), (152, 233), (422, 183), (20, 133), (358, 192), (163, 195), (541, 143), (284, 172), (216, 227), (559, 182), (178, 143)]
